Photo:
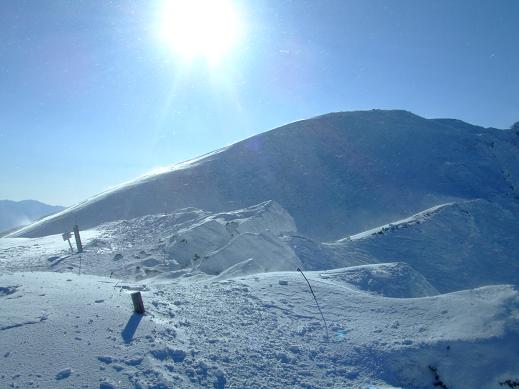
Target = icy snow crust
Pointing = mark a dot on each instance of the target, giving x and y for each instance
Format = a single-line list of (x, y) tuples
[(411, 285)]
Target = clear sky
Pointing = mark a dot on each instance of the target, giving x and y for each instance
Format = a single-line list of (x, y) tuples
[(91, 95)]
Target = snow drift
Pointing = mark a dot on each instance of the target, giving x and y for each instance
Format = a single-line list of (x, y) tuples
[(457, 246), (385, 279)]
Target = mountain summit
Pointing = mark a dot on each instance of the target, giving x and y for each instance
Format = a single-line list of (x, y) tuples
[(336, 174)]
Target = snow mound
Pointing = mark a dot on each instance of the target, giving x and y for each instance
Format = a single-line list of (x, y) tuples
[(240, 269), (184, 241), (457, 246), (418, 218), (228, 233), (220, 241), (268, 251), (190, 244), (268, 215), (385, 279), (454, 246)]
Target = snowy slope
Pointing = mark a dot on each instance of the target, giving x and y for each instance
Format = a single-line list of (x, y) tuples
[(385, 279), (455, 246), (64, 330), (335, 174)]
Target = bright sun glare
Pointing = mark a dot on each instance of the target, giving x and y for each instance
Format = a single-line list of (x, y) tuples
[(200, 28)]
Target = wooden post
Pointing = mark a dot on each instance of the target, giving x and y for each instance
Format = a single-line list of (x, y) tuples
[(78, 239), (138, 305)]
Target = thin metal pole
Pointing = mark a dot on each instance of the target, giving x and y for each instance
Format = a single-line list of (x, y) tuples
[(316, 302)]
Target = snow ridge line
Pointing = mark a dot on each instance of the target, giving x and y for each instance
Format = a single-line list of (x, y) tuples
[(423, 215)]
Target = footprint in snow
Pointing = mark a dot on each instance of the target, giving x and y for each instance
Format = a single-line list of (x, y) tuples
[(133, 361), (177, 355), (65, 373), (105, 359), (7, 290)]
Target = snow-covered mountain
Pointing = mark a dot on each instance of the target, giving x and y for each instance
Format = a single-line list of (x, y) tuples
[(18, 213), (439, 195), (406, 230), (336, 174)]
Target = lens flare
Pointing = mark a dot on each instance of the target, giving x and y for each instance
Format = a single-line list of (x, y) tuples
[(200, 28)]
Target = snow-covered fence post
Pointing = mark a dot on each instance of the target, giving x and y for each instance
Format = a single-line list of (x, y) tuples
[(138, 305), (78, 239)]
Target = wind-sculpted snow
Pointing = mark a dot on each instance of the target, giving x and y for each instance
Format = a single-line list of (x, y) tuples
[(453, 246), (337, 174), (385, 279), (272, 253), (185, 241), (458, 246), (221, 314)]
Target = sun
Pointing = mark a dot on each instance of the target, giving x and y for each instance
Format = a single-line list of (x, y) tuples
[(200, 28)]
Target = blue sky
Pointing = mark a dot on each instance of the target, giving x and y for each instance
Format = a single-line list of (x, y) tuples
[(89, 97)]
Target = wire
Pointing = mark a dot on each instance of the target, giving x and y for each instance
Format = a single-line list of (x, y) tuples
[(316, 302)]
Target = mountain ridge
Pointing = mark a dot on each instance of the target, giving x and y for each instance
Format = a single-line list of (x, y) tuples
[(337, 174), (13, 213)]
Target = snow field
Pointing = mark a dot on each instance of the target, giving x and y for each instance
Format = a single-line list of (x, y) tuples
[(262, 331)]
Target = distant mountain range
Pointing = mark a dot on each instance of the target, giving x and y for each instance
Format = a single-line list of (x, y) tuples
[(18, 213), (337, 174)]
